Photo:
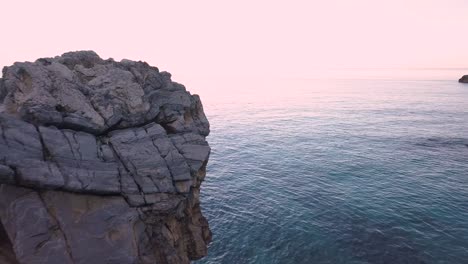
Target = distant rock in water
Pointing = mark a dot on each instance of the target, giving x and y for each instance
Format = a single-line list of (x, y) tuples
[(100, 162), (464, 79)]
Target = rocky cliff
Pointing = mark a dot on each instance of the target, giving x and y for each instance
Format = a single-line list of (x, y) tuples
[(100, 162), (463, 79)]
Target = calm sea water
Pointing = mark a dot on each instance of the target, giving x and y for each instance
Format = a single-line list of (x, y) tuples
[(338, 171)]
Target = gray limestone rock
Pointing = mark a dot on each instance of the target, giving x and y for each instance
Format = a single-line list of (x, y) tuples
[(100, 162)]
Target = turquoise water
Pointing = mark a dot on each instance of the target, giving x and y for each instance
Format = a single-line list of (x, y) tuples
[(339, 171)]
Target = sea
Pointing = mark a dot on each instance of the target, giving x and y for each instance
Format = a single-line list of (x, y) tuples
[(363, 167)]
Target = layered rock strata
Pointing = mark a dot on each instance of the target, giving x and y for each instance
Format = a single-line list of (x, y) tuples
[(100, 162)]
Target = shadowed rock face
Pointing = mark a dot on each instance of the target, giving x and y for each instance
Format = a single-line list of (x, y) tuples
[(100, 162), (464, 79)]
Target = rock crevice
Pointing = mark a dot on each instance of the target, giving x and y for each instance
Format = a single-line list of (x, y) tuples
[(105, 158)]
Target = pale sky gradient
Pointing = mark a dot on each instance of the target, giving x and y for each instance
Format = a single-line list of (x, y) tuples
[(243, 37)]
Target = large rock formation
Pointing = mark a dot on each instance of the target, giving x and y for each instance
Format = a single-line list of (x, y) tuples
[(464, 79), (100, 162)]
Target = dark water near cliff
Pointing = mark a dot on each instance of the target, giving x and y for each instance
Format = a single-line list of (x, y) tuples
[(339, 171)]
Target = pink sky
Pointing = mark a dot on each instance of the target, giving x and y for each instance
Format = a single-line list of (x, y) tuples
[(264, 37)]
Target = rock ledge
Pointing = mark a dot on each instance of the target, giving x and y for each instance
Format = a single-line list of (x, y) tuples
[(100, 162)]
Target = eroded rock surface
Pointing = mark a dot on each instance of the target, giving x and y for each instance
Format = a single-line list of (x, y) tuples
[(100, 162)]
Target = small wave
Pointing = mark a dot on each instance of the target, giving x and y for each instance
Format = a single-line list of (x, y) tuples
[(441, 142)]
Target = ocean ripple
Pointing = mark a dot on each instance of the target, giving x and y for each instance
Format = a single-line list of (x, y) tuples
[(376, 172)]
